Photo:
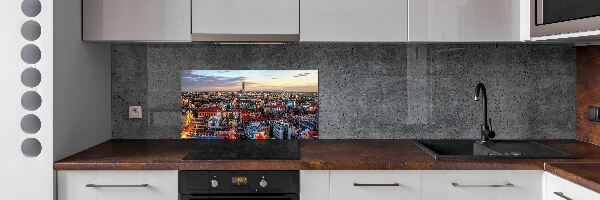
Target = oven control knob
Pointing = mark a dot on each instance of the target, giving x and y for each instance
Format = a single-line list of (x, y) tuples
[(214, 183), (263, 183)]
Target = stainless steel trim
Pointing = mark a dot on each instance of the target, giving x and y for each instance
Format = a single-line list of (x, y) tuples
[(560, 194), (376, 184), (490, 185), (115, 186), (571, 26), (245, 37), (539, 12)]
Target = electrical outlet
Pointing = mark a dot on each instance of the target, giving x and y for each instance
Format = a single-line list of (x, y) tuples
[(135, 112)]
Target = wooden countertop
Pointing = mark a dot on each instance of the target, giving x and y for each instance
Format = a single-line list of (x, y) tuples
[(584, 174), (331, 155), (314, 154)]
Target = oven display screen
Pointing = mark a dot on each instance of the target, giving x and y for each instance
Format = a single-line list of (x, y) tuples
[(240, 180)]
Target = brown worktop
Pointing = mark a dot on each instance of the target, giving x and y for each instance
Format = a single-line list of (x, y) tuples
[(314, 154), (584, 174), (331, 155)]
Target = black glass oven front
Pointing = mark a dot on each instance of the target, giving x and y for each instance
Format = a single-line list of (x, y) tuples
[(554, 11)]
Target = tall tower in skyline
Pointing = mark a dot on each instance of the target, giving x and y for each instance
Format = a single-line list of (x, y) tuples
[(243, 87)]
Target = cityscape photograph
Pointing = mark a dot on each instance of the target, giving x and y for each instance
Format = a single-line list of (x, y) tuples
[(249, 104)]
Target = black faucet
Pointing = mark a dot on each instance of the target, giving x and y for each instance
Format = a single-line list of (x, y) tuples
[(486, 129)]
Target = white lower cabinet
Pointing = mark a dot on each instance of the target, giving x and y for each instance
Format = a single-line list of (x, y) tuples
[(117, 185), (314, 184), (341, 185), (375, 185), (482, 185), (560, 189), (422, 185)]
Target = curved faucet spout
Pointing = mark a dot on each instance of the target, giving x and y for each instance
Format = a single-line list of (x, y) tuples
[(486, 133), (481, 88)]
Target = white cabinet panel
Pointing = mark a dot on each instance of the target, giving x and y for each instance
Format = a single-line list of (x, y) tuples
[(561, 189), (468, 20), (314, 185), (162, 185), (136, 20), (361, 185), (245, 16), (479, 185), (354, 20)]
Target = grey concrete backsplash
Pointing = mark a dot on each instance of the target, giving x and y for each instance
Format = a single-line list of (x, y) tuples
[(369, 91)]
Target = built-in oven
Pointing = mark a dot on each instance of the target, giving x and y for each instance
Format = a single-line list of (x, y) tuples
[(552, 17), (234, 185)]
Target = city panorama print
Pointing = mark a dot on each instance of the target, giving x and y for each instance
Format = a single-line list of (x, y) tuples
[(249, 104)]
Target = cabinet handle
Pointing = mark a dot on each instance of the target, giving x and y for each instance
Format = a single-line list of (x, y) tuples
[(491, 185), (561, 195), (114, 186), (376, 185)]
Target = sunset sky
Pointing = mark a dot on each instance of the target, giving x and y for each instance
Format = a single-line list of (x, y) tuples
[(256, 80)]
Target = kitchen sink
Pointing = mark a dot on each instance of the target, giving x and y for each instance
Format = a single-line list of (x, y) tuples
[(471, 149)]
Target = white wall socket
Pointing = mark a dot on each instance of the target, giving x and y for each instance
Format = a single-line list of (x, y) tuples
[(135, 112)]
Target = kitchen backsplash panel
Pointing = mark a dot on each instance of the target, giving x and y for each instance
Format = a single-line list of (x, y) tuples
[(368, 91), (249, 104)]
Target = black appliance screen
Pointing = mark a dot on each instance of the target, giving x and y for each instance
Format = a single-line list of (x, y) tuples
[(564, 10)]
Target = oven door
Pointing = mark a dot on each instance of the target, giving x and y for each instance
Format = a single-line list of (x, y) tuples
[(552, 17), (244, 197)]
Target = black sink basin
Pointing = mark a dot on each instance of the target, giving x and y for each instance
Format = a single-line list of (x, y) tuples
[(471, 149)]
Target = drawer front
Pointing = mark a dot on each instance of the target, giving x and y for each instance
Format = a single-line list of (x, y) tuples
[(560, 189), (482, 185), (377, 185), (117, 185)]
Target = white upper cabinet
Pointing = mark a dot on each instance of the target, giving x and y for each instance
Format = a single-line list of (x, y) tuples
[(354, 20), (245, 20), (307, 20), (468, 20), (136, 20)]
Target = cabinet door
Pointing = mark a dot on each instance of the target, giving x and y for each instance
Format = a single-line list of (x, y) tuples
[(468, 20), (136, 20), (354, 20), (375, 184), (245, 16), (314, 185), (117, 185), (560, 189), (482, 185)]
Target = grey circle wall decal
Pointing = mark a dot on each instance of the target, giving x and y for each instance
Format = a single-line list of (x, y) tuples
[(31, 100), (31, 147), (31, 30), (31, 77), (31, 8), (31, 54), (30, 124)]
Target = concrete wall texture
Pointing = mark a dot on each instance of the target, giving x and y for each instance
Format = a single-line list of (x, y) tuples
[(369, 91)]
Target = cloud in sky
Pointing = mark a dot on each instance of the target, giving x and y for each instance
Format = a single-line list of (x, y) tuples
[(255, 80)]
